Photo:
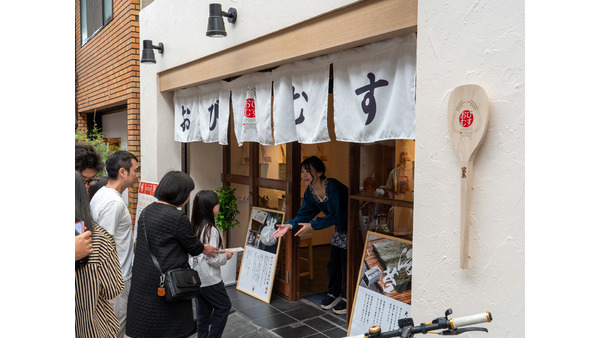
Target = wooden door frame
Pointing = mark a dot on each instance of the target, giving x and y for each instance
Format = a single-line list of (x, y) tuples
[(288, 288)]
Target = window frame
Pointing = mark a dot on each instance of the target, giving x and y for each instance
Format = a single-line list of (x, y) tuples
[(106, 18)]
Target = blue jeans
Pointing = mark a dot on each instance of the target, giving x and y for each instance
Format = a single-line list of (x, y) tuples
[(212, 309)]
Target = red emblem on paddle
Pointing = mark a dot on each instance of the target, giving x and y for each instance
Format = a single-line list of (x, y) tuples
[(466, 118), (249, 109)]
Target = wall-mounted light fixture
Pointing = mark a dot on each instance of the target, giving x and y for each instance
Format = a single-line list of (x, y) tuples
[(216, 27), (148, 51)]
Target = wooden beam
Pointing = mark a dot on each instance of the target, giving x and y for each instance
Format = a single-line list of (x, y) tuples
[(372, 199), (352, 26), (237, 179)]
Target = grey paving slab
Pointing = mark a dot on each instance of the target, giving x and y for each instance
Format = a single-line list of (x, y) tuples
[(279, 318), (284, 305), (259, 311), (295, 331), (320, 324), (275, 321), (335, 319), (304, 312), (335, 333)]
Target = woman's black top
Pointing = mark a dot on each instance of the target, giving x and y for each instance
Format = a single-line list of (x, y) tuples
[(171, 238)]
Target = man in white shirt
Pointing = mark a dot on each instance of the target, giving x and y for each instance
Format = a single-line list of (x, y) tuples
[(111, 213)]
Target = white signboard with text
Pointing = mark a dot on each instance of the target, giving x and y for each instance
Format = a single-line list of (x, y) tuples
[(257, 271)]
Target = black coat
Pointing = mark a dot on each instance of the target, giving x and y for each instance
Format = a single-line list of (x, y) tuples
[(171, 238)]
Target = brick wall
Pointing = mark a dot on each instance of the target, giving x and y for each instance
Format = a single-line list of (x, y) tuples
[(108, 73)]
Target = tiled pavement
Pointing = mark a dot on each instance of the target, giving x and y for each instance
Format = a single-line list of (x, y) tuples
[(280, 318)]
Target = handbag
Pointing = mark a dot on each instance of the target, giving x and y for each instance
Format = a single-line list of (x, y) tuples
[(175, 284)]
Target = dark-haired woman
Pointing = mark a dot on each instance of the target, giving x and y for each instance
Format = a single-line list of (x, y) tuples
[(97, 277), (166, 230), (329, 196), (213, 304)]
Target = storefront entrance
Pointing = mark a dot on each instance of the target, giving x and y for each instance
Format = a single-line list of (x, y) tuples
[(380, 180), (379, 175)]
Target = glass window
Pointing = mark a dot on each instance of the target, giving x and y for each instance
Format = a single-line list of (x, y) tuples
[(387, 169), (272, 162), (240, 159), (95, 14), (271, 199), (385, 218)]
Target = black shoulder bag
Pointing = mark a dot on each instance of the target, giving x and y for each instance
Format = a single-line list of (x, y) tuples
[(176, 284)]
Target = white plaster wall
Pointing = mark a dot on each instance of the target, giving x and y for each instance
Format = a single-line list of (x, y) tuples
[(204, 158), (463, 42), (181, 25), (159, 152)]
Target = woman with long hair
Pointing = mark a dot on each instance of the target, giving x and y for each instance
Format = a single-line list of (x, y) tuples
[(164, 230), (97, 276), (213, 304), (329, 196)]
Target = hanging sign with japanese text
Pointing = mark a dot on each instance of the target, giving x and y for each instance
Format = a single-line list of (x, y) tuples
[(374, 91), (383, 291), (300, 92), (251, 103), (197, 115), (257, 271)]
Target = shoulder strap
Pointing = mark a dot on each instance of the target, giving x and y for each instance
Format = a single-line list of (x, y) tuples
[(150, 250)]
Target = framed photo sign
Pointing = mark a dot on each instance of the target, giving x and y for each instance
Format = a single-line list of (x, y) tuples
[(257, 271), (383, 290)]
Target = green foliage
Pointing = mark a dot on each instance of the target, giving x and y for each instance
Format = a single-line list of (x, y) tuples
[(228, 209), (95, 139)]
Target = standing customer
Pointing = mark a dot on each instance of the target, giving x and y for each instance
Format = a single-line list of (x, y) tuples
[(111, 212), (170, 237), (213, 304), (88, 163), (329, 196), (97, 280)]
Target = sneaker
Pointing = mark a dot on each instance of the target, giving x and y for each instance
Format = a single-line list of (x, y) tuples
[(329, 301), (340, 308)]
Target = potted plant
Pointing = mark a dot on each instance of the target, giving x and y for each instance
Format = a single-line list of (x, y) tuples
[(97, 140), (226, 219)]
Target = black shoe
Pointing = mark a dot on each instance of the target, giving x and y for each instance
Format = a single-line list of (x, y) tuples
[(329, 301), (340, 308)]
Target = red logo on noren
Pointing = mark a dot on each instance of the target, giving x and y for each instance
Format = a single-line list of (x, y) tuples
[(249, 109)]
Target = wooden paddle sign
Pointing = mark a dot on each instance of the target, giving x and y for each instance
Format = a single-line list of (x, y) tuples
[(468, 115)]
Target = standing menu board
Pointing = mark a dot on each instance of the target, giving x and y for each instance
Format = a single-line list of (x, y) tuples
[(145, 197), (383, 291), (257, 272)]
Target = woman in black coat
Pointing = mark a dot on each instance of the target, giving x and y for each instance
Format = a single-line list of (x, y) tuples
[(171, 239)]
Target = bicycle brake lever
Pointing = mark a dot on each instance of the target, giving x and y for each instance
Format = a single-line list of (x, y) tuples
[(462, 330)]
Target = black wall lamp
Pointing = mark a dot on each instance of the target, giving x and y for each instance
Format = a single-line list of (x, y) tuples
[(148, 51), (216, 27)]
